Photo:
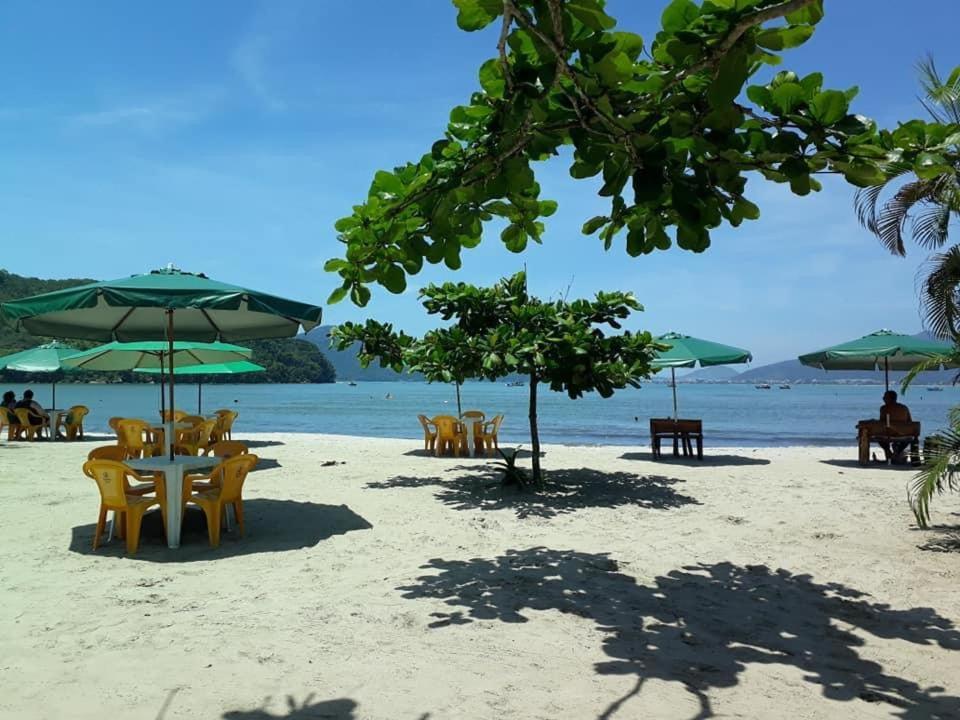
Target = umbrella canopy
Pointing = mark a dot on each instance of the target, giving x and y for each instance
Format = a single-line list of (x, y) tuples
[(45, 358), (688, 352), (156, 355), (136, 308), (227, 368), (883, 349), (166, 304)]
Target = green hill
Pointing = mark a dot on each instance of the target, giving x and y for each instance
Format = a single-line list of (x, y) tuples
[(286, 361)]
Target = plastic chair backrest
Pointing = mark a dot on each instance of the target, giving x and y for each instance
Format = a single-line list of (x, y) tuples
[(496, 424), (111, 479), (76, 414), (12, 417), (474, 415), (204, 430), (226, 419), (173, 415), (23, 416), (228, 448), (232, 472), (114, 424), (425, 422), (447, 425), (192, 419), (131, 432), (116, 453), (221, 411)]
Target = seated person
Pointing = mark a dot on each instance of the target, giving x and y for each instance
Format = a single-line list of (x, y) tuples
[(894, 412), (38, 416), (9, 400)]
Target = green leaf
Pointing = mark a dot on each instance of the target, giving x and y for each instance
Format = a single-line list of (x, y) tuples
[(514, 238), (731, 75), (747, 209), (811, 14), (360, 294), (335, 265), (337, 295), (829, 107), (678, 15), (387, 182), (491, 78), (394, 279), (636, 240), (548, 207), (788, 96), (784, 38), (477, 14), (591, 14), (594, 224)]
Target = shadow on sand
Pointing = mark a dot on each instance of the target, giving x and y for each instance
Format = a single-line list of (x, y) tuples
[(261, 443), (702, 625), (941, 538), (309, 709), (566, 491), (852, 464), (522, 454), (708, 460), (271, 526)]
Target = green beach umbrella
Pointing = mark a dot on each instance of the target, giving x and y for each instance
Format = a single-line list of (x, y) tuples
[(155, 354), (688, 352), (881, 349), (167, 304), (227, 368), (46, 358)]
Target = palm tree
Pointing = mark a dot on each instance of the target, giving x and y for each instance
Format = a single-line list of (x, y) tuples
[(927, 205)]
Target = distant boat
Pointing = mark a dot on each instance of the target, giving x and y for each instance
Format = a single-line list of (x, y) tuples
[(352, 383), (935, 389), (784, 387), (515, 383), (762, 387)]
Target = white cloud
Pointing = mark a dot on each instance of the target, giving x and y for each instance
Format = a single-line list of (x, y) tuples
[(249, 60)]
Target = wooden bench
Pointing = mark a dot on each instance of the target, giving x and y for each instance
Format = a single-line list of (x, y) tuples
[(682, 432), (877, 431)]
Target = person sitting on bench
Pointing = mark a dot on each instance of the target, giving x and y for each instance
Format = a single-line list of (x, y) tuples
[(894, 412)]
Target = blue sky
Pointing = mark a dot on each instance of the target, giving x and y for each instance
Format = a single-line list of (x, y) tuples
[(228, 136)]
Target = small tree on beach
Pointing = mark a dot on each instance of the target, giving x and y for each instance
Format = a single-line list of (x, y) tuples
[(502, 330), (671, 127)]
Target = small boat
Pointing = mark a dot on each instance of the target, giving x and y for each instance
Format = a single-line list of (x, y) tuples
[(352, 383), (934, 388), (784, 387), (762, 387), (515, 383)]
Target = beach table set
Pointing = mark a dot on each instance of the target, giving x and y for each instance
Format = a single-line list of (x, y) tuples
[(472, 433)]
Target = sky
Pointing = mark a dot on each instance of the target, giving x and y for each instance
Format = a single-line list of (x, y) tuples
[(228, 136)]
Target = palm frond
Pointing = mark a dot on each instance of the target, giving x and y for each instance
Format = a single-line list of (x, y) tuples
[(933, 363), (941, 99), (877, 218), (938, 475), (939, 299), (931, 225), (893, 215)]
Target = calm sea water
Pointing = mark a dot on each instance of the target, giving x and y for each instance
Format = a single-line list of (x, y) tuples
[(732, 414)]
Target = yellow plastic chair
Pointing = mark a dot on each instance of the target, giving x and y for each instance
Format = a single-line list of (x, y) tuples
[(488, 435), (14, 429), (231, 474), (72, 422), (191, 419), (117, 453), (429, 435), (26, 427), (225, 420), (451, 435), (172, 416), (138, 438), (192, 442), (223, 449), (112, 480)]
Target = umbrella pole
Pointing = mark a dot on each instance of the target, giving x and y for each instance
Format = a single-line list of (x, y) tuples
[(673, 382), (53, 392), (169, 423), (886, 371), (163, 401)]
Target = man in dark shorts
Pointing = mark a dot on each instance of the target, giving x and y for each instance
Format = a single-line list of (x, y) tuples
[(893, 411)]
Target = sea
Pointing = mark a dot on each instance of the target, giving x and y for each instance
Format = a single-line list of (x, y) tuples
[(734, 415)]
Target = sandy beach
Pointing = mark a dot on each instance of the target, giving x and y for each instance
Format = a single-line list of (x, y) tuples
[(391, 586)]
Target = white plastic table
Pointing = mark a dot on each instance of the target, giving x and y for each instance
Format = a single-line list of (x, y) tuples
[(173, 472)]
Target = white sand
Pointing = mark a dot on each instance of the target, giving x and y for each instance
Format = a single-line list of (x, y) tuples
[(761, 584)]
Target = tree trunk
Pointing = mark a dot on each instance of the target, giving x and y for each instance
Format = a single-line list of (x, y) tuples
[(534, 433)]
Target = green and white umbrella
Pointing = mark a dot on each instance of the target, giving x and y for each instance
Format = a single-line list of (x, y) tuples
[(688, 352), (883, 349), (155, 354), (46, 358), (227, 368), (166, 304)]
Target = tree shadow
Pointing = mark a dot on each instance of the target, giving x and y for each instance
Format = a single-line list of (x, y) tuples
[(565, 491), (945, 539), (262, 443), (708, 460), (853, 464), (701, 625), (309, 709), (522, 454), (271, 526), (266, 464)]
